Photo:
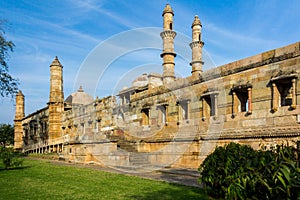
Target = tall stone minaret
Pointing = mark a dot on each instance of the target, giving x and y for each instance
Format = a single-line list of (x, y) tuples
[(196, 46), (19, 115), (168, 54), (56, 99)]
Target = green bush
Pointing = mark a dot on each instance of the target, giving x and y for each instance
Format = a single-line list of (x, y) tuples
[(239, 172), (10, 158)]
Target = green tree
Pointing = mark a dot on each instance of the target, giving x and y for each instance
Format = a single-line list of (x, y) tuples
[(8, 84), (6, 135)]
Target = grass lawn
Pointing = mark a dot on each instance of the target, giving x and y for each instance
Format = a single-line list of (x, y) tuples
[(44, 180)]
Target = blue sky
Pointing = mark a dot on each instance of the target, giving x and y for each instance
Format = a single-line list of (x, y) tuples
[(72, 29)]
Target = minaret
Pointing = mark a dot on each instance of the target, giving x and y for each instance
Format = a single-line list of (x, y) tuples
[(56, 99), (168, 54), (19, 115), (196, 46)]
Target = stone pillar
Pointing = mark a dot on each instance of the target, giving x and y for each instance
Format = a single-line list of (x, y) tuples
[(188, 109), (275, 97), (82, 128), (166, 114), (149, 117), (124, 100), (19, 115), (203, 109), (179, 112), (196, 46), (234, 104), (168, 54), (294, 98), (249, 100), (97, 126), (215, 105)]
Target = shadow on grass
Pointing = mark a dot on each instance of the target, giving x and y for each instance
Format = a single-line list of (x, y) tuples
[(177, 193), (14, 168), (181, 176), (185, 182)]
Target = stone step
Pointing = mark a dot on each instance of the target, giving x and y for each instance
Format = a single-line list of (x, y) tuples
[(126, 146), (139, 159)]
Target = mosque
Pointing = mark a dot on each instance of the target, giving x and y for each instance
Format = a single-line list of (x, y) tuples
[(166, 121)]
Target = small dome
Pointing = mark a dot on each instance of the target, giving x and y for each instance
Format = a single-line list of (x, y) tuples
[(20, 93), (79, 98), (55, 62), (168, 9), (196, 21), (140, 81)]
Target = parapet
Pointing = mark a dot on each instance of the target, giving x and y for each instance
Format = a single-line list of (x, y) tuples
[(268, 57)]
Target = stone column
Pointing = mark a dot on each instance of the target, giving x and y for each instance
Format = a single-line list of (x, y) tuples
[(149, 116), (124, 100), (215, 105), (203, 109), (166, 113), (293, 106), (179, 112), (234, 104), (249, 100), (97, 126), (188, 110), (274, 97)]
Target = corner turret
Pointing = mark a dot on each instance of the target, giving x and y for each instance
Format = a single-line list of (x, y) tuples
[(19, 115), (56, 99)]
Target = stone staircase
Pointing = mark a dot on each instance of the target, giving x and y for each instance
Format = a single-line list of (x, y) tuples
[(139, 159), (123, 145), (126, 146)]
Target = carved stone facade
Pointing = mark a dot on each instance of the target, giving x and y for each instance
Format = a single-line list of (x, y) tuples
[(162, 120)]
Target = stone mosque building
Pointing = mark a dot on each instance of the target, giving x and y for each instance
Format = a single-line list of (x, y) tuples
[(166, 121)]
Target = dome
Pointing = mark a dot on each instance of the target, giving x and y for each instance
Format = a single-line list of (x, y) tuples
[(168, 9), (140, 81), (196, 21), (80, 98)]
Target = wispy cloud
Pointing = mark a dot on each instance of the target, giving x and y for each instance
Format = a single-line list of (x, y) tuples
[(70, 29), (91, 5), (234, 36)]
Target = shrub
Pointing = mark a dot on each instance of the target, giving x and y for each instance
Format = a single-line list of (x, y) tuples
[(239, 172), (10, 158)]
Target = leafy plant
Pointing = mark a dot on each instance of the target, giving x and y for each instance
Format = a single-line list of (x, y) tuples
[(239, 172), (10, 158)]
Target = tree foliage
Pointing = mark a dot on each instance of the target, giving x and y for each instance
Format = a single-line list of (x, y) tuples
[(6, 135), (8, 84), (10, 158), (239, 172)]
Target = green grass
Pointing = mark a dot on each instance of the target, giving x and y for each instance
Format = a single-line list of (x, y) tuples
[(44, 180)]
